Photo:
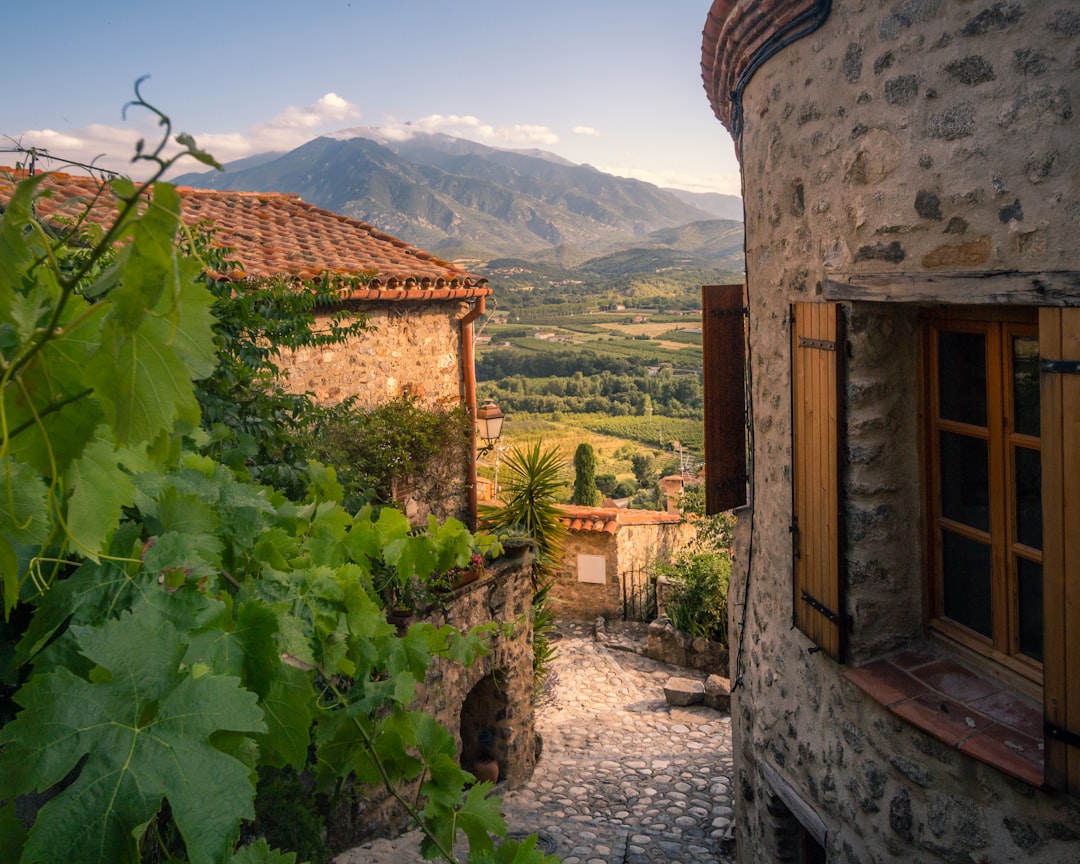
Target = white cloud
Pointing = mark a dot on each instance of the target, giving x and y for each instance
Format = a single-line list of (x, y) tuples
[(587, 131), (115, 144), (727, 184), (474, 129)]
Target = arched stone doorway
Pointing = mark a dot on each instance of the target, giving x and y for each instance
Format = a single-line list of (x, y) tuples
[(484, 725)]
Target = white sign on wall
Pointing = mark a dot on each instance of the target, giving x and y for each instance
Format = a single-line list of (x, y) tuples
[(592, 568)]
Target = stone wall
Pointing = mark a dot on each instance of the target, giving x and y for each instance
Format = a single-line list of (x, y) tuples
[(495, 693), (414, 349), (632, 549), (913, 139), (584, 600)]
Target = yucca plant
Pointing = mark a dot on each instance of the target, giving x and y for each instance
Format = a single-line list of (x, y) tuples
[(533, 480), (534, 477)]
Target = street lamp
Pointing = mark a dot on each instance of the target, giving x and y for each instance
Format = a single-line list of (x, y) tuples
[(489, 420)]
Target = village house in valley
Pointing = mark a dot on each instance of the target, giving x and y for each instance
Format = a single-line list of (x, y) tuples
[(905, 606), (609, 555)]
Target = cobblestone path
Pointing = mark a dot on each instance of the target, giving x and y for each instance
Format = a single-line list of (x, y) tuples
[(623, 777)]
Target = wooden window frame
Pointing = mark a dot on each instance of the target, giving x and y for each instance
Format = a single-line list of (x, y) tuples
[(998, 327)]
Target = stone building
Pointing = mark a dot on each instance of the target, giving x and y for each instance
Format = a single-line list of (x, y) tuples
[(609, 555), (494, 695), (420, 309), (905, 607)]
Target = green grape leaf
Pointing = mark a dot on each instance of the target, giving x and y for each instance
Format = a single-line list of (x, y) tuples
[(244, 646), (186, 513), (53, 404), (12, 835), (412, 556), (515, 852), (480, 816), (260, 852), (143, 384), (24, 511), (328, 530), (99, 492), (151, 265), (183, 555), (9, 574), (189, 311), (453, 542), (287, 709), (134, 734), (17, 255)]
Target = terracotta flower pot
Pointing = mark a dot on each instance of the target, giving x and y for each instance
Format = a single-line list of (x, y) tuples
[(486, 769)]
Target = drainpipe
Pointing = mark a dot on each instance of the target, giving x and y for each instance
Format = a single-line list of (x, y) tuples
[(468, 368)]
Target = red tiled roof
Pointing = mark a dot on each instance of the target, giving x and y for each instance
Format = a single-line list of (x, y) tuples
[(737, 29), (610, 519), (275, 234)]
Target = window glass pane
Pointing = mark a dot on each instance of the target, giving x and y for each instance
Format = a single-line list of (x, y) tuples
[(1025, 373), (1029, 497), (966, 565), (1029, 575), (962, 377), (965, 480)]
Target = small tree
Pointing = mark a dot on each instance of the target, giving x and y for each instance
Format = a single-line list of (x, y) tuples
[(585, 491), (644, 467)]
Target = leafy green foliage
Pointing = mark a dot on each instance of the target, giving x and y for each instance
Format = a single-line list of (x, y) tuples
[(697, 601), (395, 441), (143, 723), (253, 420), (177, 627), (533, 481)]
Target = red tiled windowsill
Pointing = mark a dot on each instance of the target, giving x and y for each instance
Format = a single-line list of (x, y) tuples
[(978, 716)]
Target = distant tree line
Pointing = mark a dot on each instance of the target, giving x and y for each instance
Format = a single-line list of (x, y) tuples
[(562, 363), (604, 392)]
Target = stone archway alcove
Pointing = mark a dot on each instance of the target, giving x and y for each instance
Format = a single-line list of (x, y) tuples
[(484, 722)]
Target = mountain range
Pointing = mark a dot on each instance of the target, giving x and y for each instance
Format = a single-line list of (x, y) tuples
[(461, 199)]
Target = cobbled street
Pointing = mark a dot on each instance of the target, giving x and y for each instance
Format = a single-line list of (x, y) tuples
[(623, 777)]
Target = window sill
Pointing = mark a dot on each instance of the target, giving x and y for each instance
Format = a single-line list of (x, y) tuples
[(971, 712)]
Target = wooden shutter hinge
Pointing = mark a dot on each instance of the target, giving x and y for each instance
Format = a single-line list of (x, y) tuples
[(822, 608), (1063, 735), (1060, 367), (823, 344)]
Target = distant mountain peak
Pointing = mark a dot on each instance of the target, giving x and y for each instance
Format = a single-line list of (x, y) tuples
[(437, 191)]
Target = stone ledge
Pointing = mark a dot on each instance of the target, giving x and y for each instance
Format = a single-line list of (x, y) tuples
[(668, 645)]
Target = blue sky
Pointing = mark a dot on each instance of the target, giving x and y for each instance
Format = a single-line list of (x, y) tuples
[(613, 84)]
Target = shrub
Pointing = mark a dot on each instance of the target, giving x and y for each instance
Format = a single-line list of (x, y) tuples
[(697, 602)]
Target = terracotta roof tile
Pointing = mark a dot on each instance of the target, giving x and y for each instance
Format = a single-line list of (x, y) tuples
[(735, 30), (610, 519), (276, 234)]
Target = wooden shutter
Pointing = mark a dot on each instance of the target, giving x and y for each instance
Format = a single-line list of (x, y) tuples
[(724, 356), (817, 350), (1059, 347)]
